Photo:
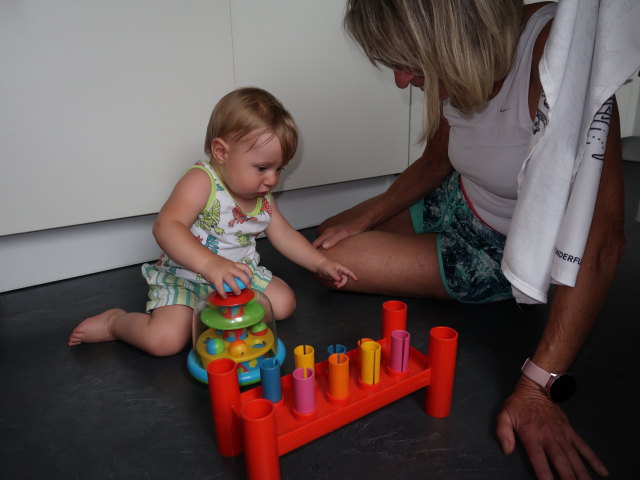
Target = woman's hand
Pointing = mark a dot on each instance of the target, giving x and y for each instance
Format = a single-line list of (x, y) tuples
[(546, 435), (345, 224), (330, 236)]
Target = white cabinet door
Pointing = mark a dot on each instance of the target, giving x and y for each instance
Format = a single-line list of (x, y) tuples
[(103, 103), (353, 120)]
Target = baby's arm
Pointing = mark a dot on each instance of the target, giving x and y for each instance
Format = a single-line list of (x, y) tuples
[(171, 230), (293, 245)]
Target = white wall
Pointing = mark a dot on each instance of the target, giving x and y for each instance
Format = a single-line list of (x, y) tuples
[(353, 120), (104, 104)]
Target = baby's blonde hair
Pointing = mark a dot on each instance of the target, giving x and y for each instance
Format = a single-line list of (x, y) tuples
[(468, 45), (252, 111)]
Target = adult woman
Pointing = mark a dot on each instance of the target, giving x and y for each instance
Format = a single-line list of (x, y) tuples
[(431, 233)]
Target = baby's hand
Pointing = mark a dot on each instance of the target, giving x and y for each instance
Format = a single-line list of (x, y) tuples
[(335, 271), (219, 271)]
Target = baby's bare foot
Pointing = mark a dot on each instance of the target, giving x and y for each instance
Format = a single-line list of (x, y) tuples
[(95, 329)]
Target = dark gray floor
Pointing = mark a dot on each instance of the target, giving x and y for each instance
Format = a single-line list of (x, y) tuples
[(111, 411)]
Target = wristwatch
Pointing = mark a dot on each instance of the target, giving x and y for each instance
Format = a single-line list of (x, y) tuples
[(557, 386)]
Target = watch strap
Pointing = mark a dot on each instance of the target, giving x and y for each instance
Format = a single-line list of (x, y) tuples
[(536, 374)]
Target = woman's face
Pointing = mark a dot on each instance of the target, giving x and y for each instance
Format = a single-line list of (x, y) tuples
[(405, 77)]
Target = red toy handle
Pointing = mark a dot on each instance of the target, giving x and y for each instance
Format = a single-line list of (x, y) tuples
[(224, 392), (259, 426), (443, 346), (394, 317)]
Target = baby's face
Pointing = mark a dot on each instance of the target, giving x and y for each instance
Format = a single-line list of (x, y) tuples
[(252, 171)]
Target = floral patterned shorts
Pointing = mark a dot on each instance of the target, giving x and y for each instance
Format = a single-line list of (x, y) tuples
[(469, 251)]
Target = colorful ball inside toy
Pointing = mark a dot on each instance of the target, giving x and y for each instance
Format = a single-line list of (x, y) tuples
[(259, 329), (215, 346), (238, 348)]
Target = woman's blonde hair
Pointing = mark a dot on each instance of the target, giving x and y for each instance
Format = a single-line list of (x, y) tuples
[(252, 111), (468, 45)]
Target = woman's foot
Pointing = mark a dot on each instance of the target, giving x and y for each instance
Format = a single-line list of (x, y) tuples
[(95, 329)]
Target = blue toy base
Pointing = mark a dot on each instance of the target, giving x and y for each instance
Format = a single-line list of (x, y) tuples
[(244, 378)]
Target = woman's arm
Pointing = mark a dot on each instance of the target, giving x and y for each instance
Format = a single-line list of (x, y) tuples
[(415, 182), (573, 310), (539, 423), (172, 232), (293, 245)]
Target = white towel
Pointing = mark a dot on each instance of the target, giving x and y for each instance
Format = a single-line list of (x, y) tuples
[(593, 47)]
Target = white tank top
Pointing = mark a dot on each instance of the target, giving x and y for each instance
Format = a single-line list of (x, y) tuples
[(489, 146)]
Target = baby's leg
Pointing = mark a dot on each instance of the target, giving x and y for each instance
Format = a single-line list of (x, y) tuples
[(165, 332), (95, 329), (282, 298)]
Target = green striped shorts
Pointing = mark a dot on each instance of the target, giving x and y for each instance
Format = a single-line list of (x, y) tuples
[(166, 288)]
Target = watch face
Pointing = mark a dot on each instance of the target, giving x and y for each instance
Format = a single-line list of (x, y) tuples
[(562, 388)]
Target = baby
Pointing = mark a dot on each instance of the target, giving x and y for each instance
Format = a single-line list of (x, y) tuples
[(207, 229)]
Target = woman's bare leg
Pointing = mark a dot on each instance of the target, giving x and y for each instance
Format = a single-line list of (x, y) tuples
[(391, 264)]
